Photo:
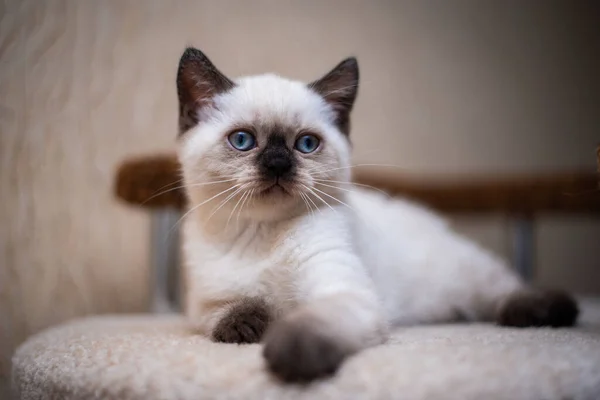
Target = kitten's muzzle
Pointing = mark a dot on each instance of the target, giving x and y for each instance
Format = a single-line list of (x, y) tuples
[(277, 176)]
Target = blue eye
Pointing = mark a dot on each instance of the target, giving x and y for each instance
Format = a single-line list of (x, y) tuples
[(242, 141), (307, 144)]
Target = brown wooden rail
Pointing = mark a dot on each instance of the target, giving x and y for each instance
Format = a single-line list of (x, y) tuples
[(139, 180)]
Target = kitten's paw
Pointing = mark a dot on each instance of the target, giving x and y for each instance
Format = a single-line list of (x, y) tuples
[(298, 351), (245, 322), (538, 308)]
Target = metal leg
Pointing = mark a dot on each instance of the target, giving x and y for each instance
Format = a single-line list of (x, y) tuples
[(524, 248), (164, 247)]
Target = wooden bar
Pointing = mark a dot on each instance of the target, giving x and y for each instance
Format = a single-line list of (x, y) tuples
[(154, 182), (521, 194)]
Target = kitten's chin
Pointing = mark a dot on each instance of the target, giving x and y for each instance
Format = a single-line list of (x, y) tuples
[(269, 213), (273, 202)]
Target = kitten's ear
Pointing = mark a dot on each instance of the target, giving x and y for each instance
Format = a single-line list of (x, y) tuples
[(198, 81), (339, 88)]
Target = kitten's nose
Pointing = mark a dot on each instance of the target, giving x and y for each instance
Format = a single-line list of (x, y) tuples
[(276, 160), (278, 167)]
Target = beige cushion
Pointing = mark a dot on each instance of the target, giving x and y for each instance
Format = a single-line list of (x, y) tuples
[(158, 357)]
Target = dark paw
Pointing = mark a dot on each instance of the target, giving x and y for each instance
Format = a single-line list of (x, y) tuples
[(246, 322), (539, 308), (299, 352)]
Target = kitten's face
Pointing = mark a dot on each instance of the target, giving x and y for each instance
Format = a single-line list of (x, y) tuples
[(269, 145)]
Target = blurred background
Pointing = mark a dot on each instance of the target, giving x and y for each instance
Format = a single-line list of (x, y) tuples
[(461, 86)]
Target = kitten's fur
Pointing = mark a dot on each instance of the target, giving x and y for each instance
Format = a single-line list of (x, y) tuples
[(320, 284)]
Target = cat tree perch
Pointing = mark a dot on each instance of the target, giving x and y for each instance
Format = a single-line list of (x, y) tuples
[(158, 357)]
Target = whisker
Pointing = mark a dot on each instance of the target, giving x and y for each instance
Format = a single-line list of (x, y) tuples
[(199, 205), (181, 179), (319, 197), (358, 215), (303, 199), (353, 184), (314, 204), (358, 165), (183, 187), (335, 187), (308, 206), (242, 197), (334, 198), (229, 197), (169, 184), (237, 218)]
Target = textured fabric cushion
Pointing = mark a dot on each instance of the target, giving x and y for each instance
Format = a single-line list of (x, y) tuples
[(158, 357)]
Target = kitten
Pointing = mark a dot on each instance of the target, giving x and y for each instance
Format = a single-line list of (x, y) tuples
[(279, 247)]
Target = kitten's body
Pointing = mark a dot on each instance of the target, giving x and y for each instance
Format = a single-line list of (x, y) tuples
[(421, 270), (278, 241)]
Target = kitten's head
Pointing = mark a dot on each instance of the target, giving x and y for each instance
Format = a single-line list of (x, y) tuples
[(269, 144)]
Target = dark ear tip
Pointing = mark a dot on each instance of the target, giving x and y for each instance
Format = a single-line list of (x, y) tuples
[(350, 63), (192, 53)]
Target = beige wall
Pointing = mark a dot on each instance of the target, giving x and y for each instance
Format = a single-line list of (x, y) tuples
[(446, 86)]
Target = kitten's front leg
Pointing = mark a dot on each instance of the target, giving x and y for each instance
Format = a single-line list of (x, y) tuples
[(244, 321), (340, 316)]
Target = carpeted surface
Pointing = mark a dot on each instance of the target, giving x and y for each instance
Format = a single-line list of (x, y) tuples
[(157, 357)]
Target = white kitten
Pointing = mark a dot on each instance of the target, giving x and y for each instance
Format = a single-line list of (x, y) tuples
[(277, 242)]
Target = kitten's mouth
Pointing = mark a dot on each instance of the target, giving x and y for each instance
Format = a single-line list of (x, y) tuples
[(274, 188)]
